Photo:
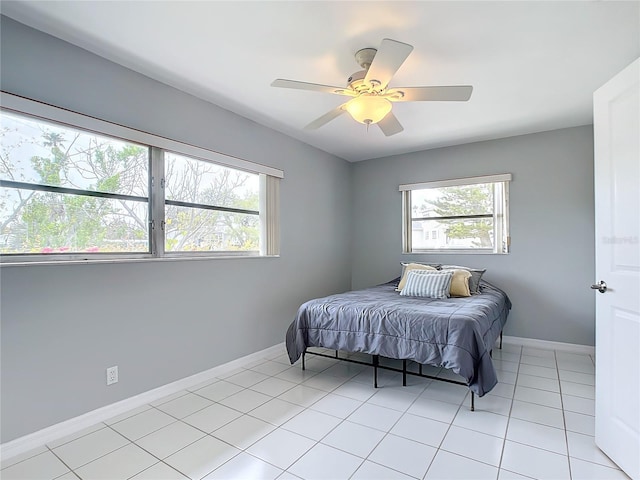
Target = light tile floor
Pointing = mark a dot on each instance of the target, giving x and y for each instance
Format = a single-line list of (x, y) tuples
[(271, 420)]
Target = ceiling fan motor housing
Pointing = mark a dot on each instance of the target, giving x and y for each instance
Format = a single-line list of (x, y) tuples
[(356, 81), (365, 56)]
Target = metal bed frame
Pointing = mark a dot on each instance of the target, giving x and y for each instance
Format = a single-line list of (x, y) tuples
[(375, 363)]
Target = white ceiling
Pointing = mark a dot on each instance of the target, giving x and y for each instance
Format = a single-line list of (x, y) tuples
[(534, 65)]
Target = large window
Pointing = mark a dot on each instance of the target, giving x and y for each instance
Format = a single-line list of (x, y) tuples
[(68, 191), (71, 191), (463, 215)]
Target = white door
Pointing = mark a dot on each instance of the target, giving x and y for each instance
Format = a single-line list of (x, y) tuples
[(616, 120)]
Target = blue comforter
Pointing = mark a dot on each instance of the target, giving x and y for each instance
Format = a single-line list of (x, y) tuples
[(456, 333)]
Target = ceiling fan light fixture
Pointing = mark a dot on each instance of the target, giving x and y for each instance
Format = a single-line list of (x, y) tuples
[(368, 109)]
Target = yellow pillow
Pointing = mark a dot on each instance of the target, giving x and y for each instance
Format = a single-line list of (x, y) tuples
[(408, 268), (460, 283)]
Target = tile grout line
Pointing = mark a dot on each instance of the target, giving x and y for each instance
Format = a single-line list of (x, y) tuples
[(564, 418), (506, 430), (387, 433), (304, 408), (63, 462), (129, 442), (438, 448), (135, 442), (207, 434), (210, 434), (74, 439), (161, 462)]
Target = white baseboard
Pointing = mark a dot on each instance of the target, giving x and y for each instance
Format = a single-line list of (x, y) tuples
[(549, 345), (73, 425)]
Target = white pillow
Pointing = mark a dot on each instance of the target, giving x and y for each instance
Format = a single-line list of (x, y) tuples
[(424, 283)]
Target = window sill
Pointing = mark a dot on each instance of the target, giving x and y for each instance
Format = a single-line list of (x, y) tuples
[(131, 260), (454, 252)]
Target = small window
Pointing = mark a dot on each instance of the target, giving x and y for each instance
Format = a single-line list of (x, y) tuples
[(210, 208), (464, 215)]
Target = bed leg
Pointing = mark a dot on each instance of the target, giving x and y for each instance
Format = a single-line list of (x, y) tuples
[(420, 368), (500, 340), (375, 371), (303, 353), (404, 373), (473, 407)]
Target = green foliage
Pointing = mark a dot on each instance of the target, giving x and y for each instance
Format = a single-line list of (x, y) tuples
[(48, 169), (193, 229), (109, 184), (47, 222), (465, 200)]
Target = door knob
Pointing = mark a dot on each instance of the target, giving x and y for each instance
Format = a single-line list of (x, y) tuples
[(601, 287)]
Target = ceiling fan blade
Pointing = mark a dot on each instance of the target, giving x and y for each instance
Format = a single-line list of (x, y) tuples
[(389, 57), (453, 93), (390, 125), (315, 87), (326, 118)]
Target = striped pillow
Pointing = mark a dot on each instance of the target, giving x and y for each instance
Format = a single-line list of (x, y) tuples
[(407, 267), (425, 283)]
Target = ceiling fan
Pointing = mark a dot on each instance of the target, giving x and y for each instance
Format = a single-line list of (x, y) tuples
[(371, 100)]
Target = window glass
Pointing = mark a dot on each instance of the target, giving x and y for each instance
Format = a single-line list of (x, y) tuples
[(464, 217), (210, 207), (202, 182), (447, 202), (39, 152), (471, 233), (67, 191), (200, 230), (74, 187)]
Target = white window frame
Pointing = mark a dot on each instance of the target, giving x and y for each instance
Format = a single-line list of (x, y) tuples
[(500, 214), (269, 185)]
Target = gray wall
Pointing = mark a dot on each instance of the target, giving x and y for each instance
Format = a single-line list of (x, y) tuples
[(551, 264), (158, 321), (61, 326)]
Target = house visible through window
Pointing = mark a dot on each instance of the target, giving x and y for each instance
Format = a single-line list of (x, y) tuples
[(463, 215), (69, 193)]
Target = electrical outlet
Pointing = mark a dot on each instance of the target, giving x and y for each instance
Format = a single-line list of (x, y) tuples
[(112, 375)]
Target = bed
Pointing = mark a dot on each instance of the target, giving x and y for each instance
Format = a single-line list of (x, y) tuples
[(455, 333)]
